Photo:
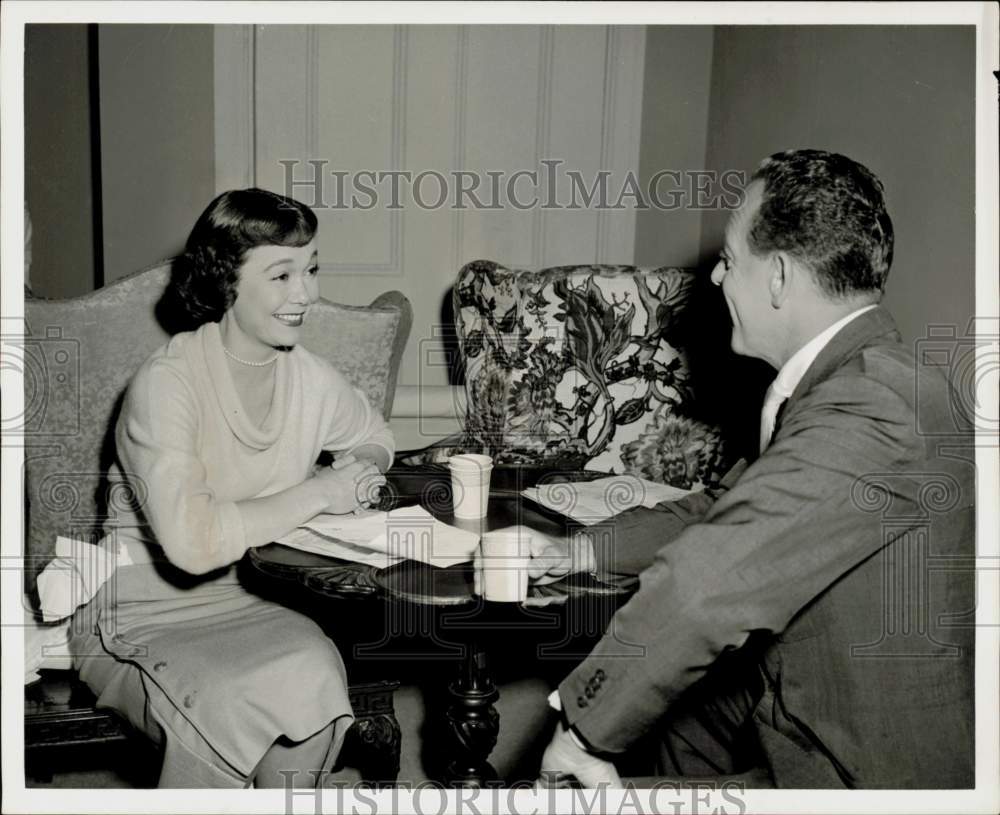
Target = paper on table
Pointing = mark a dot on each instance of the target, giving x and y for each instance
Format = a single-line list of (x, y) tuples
[(310, 541), (384, 538), (358, 529), (591, 502)]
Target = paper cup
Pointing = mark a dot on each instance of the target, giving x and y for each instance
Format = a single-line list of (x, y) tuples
[(503, 565), (470, 462), (470, 485)]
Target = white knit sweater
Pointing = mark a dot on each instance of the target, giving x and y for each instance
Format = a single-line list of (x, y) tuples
[(190, 453)]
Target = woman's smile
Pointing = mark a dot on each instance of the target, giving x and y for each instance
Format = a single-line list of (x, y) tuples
[(277, 283), (292, 319)]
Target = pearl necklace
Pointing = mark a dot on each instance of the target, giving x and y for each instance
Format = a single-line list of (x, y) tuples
[(242, 361)]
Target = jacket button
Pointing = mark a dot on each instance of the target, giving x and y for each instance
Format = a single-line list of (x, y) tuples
[(589, 693), (600, 675), (581, 702)]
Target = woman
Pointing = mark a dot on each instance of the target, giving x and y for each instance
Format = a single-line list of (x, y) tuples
[(217, 439)]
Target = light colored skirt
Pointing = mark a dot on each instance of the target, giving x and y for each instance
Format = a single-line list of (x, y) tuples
[(213, 672)]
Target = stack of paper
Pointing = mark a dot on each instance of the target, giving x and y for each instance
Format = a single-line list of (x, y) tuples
[(309, 541), (384, 538), (591, 502)]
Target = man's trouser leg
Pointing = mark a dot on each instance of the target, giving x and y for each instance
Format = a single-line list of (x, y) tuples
[(709, 735)]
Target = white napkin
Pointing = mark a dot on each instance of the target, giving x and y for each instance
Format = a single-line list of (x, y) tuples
[(46, 645), (76, 573), (591, 502), (384, 538)]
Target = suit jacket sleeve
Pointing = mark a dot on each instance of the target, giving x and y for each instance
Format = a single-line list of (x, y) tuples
[(788, 529), (628, 543)]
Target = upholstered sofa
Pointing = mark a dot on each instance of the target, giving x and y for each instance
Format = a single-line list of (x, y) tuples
[(582, 367), (77, 356)]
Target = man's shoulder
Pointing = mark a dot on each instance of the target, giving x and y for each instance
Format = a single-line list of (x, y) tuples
[(891, 365), (879, 368), (888, 373)]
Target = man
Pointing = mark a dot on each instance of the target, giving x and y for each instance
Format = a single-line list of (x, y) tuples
[(797, 633)]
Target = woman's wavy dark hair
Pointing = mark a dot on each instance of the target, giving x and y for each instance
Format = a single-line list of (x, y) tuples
[(204, 278)]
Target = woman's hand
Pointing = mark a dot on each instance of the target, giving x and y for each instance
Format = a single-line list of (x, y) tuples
[(349, 487)]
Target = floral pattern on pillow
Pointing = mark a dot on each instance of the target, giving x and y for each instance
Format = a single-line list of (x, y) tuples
[(582, 367)]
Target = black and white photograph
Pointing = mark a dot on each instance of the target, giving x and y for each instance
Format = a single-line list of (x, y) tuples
[(500, 407)]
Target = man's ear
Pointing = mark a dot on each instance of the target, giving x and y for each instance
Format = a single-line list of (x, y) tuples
[(781, 279)]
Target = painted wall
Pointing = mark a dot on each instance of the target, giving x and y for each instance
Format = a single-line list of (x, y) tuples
[(58, 183), (439, 100), (157, 139), (901, 100), (676, 86)]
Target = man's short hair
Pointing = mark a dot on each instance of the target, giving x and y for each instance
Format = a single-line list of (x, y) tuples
[(827, 211)]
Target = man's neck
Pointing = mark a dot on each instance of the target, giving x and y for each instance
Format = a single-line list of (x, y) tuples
[(813, 321)]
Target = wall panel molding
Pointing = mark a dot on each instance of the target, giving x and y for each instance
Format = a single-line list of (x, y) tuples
[(393, 265), (481, 99), (607, 134), (458, 135), (235, 122), (543, 129), (626, 55)]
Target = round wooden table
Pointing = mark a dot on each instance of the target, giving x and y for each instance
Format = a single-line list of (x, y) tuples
[(471, 716)]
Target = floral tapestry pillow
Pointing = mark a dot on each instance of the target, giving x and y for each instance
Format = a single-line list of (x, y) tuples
[(580, 366)]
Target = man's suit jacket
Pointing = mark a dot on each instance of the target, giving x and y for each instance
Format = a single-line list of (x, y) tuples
[(847, 547)]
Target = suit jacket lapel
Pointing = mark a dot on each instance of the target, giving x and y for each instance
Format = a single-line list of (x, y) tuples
[(845, 344)]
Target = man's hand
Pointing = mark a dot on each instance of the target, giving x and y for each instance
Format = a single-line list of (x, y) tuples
[(554, 558), (550, 559), (565, 756)]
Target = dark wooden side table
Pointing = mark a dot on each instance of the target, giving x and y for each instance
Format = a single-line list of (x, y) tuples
[(414, 588)]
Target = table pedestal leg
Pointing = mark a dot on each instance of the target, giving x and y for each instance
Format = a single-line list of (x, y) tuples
[(474, 722)]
